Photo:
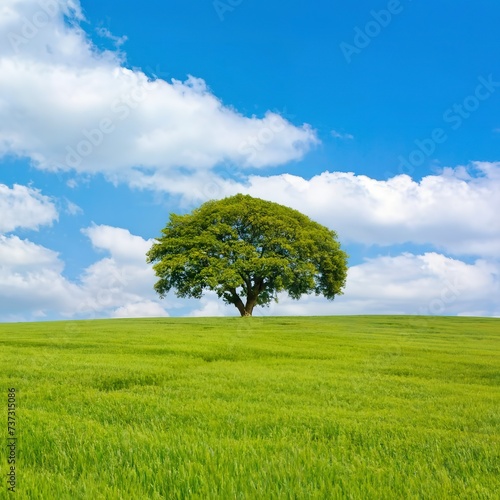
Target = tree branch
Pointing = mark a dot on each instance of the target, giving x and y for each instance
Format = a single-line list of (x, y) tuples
[(246, 279)]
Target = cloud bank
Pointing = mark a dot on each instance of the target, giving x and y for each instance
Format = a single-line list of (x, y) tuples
[(33, 286), (455, 211)]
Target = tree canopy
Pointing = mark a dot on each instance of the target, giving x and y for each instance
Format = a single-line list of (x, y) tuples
[(247, 250)]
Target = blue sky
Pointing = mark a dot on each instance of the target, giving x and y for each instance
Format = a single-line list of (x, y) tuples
[(380, 121)]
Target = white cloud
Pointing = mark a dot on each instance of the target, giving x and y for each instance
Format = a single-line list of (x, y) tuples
[(73, 208), (121, 285), (342, 135), (27, 255), (124, 278), (427, 284), (105, 33), (211, 305), (146, 309), (65, 105), (122, 245), (424, 284), (453, 211), (24, 207), (31, 281)]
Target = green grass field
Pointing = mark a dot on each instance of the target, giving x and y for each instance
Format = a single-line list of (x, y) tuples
[(375, 407)]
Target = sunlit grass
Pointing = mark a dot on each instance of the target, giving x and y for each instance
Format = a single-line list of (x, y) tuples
[(331, 407)]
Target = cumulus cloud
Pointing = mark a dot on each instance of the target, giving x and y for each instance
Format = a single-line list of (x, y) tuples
[(31, 281), (145, 309), (24, 207), (122, 282), (456, 210), (426, 284), (211, 305), (68, 106), (24, 254), (122, 245), (430, 283), (33, 285)]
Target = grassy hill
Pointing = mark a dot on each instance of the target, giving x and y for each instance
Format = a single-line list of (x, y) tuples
[(326, 407)]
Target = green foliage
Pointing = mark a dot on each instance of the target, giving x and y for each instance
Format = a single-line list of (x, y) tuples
[(292, 408), (247, 250)]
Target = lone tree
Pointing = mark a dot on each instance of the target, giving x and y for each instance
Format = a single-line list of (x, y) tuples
[(247, 250)]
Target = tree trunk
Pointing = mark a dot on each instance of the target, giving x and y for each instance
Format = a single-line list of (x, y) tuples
[(246, 310), (241, 307), (251, 301), (242, 310), (238, 302)]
